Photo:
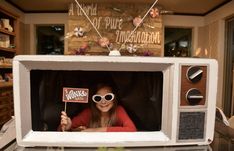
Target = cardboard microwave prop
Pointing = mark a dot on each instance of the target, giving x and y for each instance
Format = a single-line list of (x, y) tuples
[(170, 100)]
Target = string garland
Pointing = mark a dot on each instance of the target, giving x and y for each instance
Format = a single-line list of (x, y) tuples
[(138, 24), (132, 32), (91, 22)]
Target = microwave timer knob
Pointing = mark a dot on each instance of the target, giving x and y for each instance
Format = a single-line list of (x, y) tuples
[(194, 74), (194, 96)]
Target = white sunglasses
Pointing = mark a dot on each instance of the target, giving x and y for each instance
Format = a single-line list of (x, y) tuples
[(108, 97)]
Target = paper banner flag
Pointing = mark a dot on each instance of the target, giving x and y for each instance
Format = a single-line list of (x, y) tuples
[(78, 95)]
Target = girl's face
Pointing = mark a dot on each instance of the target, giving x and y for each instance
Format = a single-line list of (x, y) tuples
[(104, 106)]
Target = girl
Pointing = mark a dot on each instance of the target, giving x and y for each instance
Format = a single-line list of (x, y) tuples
[(104, 115)]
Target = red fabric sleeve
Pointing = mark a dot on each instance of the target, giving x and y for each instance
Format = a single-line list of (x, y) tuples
[(124, 123), (82, 119)]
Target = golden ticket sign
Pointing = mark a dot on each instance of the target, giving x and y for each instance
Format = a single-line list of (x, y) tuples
[(79, 95), (115, 22)]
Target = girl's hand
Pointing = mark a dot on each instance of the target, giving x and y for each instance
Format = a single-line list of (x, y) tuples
[(65, 121), (80, 128)]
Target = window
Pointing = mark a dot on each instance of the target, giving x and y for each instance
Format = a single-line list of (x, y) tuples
[(178, 42), (50, 39)]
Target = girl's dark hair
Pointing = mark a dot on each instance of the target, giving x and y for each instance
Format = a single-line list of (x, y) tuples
[(96, 113)]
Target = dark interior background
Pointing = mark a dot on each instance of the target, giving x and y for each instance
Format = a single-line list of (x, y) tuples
[(50, 39), (140, 93)]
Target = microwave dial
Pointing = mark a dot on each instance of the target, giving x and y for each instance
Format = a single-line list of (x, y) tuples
[(194, 74), (194, 96)]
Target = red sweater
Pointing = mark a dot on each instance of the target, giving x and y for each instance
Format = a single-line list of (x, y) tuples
[(123, 124)]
